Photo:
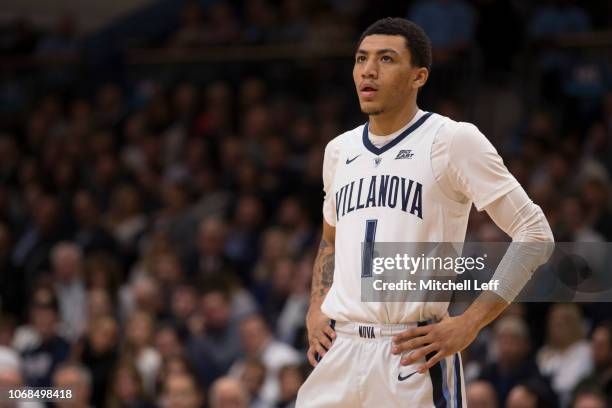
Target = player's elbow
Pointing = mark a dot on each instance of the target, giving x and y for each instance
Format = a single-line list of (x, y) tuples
[(536, 232)]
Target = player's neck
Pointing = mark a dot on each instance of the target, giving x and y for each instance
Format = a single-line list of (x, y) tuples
[(387, 123)]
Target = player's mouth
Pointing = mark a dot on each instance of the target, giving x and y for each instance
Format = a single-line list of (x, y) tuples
[(367, 90)]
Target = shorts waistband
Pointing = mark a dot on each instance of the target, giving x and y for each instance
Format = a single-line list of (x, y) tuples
[(373, 331)]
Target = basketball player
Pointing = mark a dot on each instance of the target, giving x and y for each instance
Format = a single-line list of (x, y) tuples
[(405, 176)]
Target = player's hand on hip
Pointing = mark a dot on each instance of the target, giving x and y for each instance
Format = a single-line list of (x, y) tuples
[(445, 338), (320, 334)]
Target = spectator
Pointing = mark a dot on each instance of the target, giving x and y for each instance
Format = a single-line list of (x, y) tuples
[(209, 257), (214, 353), (511, 340), (138, 346), (100, 354), (533, 393), (228, 393), (127, 388), (601, 349), (481, 394), (77, 379), (9, 358), (291, 378), (589, 397), (42, 349), (192, 31), (11, 378), (67, 264), (91, 235), (181, 391), (566, 356), (252, 377), (258, 342)]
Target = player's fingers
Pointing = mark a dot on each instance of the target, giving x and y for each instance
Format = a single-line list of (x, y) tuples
[(320, 350), (323, 340), (419, 354), (330, 332), (311, 356), (431, 362), (410, 333), (411, 344)]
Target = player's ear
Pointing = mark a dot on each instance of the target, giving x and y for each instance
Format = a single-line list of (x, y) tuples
[(419, 77)]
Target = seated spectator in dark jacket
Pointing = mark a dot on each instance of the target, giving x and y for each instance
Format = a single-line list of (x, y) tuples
[(511, 338), (42, 349)]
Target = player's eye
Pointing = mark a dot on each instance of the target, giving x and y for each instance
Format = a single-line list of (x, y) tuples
[(360, 58), (386, 58)]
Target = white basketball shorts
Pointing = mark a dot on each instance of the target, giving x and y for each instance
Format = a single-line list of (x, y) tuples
[(360, 371)]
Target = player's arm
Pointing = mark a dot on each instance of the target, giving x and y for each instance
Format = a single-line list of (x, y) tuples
[(477, 172), (320, 334), (532, 245)]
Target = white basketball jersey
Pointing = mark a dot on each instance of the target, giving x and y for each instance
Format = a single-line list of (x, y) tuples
[(387, 194)]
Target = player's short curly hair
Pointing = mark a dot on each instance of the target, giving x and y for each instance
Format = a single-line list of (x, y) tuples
[(416, 40)]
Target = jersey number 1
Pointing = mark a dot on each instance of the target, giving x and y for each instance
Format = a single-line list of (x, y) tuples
[(367, 253)]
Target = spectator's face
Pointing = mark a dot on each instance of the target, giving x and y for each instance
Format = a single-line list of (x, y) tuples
[(520, 397), (391, 77), (168, 269), (126, 385), (184, 98), (290, 382), (290, 213), (275, 245), (282, 276), (103, 335), (181, 392), (70, 378), (44, 320), (85, 208), (254, 335), (211, 239), (253, 378), (98, 303), (481, 394), (600, 344), (184, 302), (563, 324), (175, 366), (228, 394), (249, 212), (589, 401), (167, 343), (512, 348), (139, 330), (67, 264), (216, 310), (45, 213), (10, 378), (147, 295)]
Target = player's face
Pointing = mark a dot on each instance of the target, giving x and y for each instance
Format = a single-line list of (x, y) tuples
[(383, 74)]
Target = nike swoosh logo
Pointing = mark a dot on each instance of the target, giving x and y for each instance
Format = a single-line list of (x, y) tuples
[(400, 378), (349, 161)]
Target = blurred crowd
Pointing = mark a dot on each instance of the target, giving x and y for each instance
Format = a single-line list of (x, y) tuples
[(157, 239)]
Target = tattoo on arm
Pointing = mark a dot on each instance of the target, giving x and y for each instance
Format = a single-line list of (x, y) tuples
[(323, 272)]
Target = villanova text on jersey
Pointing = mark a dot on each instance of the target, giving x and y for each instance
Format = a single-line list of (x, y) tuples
[(380, 191)]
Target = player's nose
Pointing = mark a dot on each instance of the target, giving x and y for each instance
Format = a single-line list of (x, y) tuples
[(370, 70)]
